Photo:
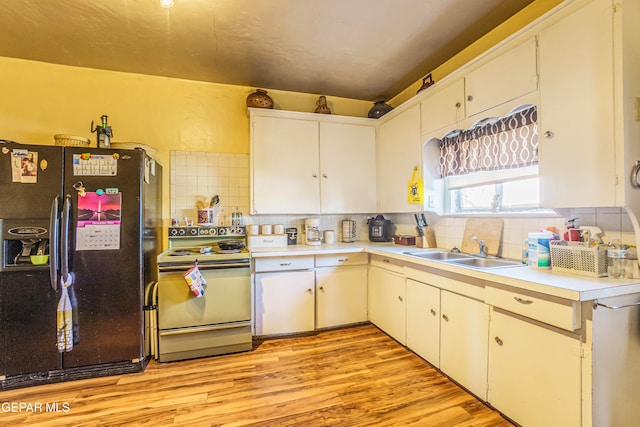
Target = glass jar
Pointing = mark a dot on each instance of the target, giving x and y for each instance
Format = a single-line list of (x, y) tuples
[(617, 263)]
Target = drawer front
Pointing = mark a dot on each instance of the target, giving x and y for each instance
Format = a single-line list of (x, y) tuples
[(335, 260), (282, 263), (387, 263), (554, 311)]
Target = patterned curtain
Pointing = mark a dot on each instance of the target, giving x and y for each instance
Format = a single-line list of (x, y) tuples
[(506, 143)]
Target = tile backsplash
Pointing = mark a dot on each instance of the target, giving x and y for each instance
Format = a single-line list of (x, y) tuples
[(201, 175), (198, 175)]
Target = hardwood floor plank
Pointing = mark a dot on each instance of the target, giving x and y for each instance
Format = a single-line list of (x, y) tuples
[(352, 377)]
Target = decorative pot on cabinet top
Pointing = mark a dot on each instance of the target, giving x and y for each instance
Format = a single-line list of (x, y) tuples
[(259, 99)]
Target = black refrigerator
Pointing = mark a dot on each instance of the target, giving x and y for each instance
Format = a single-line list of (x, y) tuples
[(80, 236)]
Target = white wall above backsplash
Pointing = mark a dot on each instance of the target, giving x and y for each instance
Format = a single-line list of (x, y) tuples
[(199, 175)]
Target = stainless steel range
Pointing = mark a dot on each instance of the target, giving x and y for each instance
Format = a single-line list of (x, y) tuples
[(217, 322)]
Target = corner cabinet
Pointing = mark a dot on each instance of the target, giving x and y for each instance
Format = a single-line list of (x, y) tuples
[(305, 163), (589, 79), (399, 151)]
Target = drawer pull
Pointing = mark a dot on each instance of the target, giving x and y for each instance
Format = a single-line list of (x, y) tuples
[(285, 264), (343, 260), (445, 317), (385, 260), (433, 312), (499, 341), (523, 301)]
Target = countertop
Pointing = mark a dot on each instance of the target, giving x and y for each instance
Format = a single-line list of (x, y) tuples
[(562, 285)]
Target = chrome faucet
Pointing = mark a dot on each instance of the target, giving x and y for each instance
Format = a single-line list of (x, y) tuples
[(483, 248)]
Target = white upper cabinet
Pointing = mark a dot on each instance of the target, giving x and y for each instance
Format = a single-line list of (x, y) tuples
[(305, 163), (443, 108), (576, 109), (347, 168), (508, 76), (399, 151)]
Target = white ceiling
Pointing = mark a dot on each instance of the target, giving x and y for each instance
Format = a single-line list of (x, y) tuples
[(361, 49)]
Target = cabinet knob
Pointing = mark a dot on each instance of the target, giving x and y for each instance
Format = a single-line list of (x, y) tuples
[(315, 175), (322, 288), (548, 134), (310, 291), (399, 298), (324, 175), (432, 311), (499, 341), (458, 105), (470, 98), (445, 317)]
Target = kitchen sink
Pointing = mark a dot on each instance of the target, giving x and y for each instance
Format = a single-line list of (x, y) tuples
[(485, 263), (439, 255)]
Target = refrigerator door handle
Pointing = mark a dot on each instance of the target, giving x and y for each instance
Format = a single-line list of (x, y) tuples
[(64, 246), (54, 242)]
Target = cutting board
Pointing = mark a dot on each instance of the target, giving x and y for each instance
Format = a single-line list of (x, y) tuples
[(489, 230)]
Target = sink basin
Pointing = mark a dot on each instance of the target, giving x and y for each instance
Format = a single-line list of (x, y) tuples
[(439, 255), (485, 263)]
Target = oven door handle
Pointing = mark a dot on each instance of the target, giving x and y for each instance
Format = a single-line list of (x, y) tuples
[(182, 331), (204, 266)]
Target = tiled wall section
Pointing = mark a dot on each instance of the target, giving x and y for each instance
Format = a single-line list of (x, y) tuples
[(199, 176)]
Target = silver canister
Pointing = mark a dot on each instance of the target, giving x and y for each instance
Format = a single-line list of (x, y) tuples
[(348, 231)]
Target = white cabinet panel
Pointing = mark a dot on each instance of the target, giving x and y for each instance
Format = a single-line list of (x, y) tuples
[(285, 159), (534, 372), (341, 296), (464, 330), (386, 297), (508, 76), (423, 321), (285, 302), (399, 151), (347, 168), (444, 108), (576, 112)]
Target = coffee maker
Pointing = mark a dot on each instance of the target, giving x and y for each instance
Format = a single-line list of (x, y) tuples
[(313, 235)]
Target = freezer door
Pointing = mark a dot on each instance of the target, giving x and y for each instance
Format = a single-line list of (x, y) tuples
[(27, 324), (30, 177), (105, 256)]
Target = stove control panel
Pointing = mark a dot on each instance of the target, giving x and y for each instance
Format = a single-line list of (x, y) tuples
[(207, 231)]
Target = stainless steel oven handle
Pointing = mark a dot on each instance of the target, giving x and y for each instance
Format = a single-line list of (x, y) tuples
[(203, 266), (192, 330)]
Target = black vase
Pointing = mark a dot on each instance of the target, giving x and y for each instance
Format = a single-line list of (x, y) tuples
[(379, 109)]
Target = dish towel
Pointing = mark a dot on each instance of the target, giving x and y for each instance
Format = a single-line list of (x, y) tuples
[(65, 317)]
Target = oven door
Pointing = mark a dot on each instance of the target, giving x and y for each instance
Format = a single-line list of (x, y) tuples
[(227, 298)]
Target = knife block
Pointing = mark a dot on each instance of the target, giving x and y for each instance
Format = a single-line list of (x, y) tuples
[(428, 240)]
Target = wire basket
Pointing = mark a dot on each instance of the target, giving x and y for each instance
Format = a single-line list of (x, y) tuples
[(71, 140), (578, 258)]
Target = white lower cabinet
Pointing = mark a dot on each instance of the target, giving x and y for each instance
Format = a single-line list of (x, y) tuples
[(386, 297), (423, 321), (464, 330), (534, 372), (341, 296), (285, 302)]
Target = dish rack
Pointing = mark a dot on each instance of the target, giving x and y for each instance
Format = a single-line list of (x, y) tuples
[(578, 258)]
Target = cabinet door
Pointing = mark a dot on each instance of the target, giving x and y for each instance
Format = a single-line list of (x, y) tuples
[(347, 168), (423, 321), (508, 76), (399, 150), (341, 296), (386, 296), (285, 158), (576, 148), (534, 372), (284, 302), (443, 109), (464, 330)]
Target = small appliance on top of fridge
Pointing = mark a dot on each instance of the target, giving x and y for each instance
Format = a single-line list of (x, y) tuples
[(80, 235)]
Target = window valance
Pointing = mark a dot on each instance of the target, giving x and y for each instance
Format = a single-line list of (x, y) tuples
[(505, 143)]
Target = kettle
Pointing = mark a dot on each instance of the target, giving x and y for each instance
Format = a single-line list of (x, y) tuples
[(380, 229)]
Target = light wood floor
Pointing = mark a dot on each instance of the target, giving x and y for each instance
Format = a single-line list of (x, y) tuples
[(347, 377)]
